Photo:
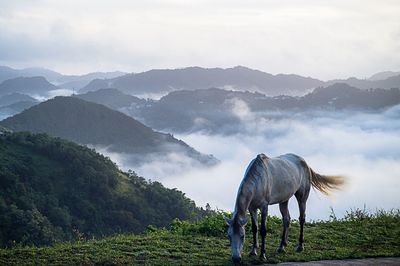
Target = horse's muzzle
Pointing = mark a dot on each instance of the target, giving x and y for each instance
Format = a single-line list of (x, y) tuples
[(236, 259)]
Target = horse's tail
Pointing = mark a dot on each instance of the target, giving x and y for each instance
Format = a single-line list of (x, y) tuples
[(324, 183)]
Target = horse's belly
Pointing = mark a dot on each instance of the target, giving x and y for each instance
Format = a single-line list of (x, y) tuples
[(280, 198), (283, 191)]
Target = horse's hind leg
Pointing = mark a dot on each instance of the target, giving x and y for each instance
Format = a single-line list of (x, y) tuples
[(283, 207), (302, 219), (253, 214), (302, 199), (263, 230)]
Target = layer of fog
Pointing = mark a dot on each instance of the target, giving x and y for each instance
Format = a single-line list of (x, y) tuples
[(152, 96), (172, 156), (363, 146), (4, 114), (53, 93)]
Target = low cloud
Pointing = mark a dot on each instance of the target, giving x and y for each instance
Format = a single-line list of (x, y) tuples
[(363, 146), (172, 160)]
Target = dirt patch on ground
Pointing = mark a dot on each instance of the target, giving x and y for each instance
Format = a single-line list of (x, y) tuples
[(356, 262)]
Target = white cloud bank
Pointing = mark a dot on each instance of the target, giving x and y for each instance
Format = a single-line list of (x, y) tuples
[(363, 146)]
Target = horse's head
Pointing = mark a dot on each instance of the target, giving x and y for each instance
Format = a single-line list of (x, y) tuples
[(236, 233)]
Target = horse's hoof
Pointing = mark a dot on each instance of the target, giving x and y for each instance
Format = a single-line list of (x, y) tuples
[(280, 250), (300, 248), (263, 257), (253, 253)]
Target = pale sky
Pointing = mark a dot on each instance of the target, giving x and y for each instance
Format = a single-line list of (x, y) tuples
[(322, 39)]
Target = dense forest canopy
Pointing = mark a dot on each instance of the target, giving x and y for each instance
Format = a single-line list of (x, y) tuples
[(54, 190)]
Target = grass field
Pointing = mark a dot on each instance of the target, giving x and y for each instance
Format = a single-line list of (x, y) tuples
[(358, 235)]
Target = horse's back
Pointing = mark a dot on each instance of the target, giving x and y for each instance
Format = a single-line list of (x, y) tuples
[(290, 163), (286, 175)]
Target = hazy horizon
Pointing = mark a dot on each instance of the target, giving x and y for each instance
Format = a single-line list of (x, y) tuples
[(189, 66)]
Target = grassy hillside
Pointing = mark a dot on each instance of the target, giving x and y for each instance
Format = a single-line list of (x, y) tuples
[(54, 190), (358, 235)]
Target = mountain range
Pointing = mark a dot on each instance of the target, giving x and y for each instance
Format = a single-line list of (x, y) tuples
[(96, 125), (210, 109), (193, 78), (162, 81), (237, 78)]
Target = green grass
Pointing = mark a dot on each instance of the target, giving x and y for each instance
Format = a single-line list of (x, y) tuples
[(358, 235)]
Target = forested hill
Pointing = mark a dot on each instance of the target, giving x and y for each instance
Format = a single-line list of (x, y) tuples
[(90, 123), (52, 189)]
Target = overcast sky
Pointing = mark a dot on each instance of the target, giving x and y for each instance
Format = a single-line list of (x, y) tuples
[(322, 39)]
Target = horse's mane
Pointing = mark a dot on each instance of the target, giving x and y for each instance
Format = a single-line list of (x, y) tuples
[(253, 169), (251, 178)]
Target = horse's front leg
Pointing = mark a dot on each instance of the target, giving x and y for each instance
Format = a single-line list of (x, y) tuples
[(253, 214), (263, 230)]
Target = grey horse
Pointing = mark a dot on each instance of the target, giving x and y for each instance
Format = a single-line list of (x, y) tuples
[(269, 181)]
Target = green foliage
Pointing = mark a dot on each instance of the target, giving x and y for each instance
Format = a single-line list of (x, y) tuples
[(357, 214), (204, 243), (211, 225), (53, 190)]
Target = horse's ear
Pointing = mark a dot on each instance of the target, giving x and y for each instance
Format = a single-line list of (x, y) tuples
[(243, 221), (227, 220)]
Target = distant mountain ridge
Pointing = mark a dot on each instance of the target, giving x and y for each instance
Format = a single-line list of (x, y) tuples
[(111, 98), (15, 108), (384, 75), (237, 78), (76, 82), (388, 83), (193, 78), (14, 98), (90, 123), (14, 103), (58, 79), (10, 73), (26, 85)]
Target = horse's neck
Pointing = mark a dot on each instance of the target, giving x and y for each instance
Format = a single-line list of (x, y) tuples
[(243, 199)]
